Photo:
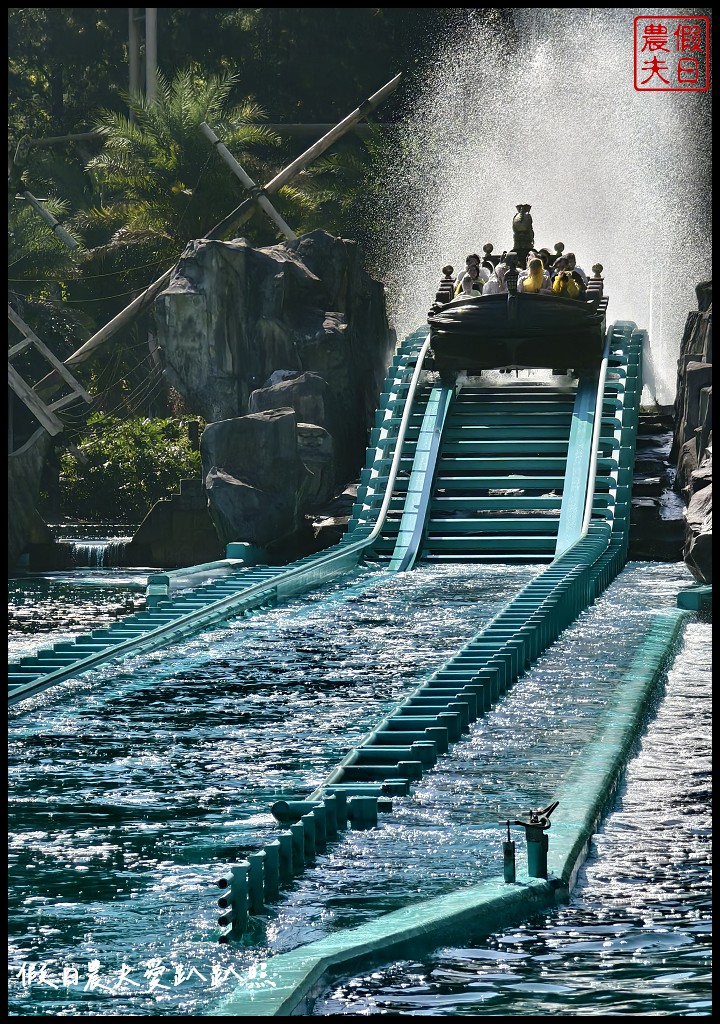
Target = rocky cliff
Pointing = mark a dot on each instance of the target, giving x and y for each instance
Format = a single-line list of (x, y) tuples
[(692, 441), (283, 350)]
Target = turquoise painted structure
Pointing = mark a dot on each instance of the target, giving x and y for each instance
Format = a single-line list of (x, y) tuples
[(593, 434), (241, 590), (697, 598), (286, 985), (533, 473), (464, 444)]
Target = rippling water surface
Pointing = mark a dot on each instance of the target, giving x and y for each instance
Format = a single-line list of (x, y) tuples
[(133, 789)]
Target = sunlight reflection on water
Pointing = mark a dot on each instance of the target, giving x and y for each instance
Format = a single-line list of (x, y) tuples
[(131, 791)]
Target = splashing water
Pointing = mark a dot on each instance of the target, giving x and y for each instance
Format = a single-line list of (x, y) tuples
[(544, 111)]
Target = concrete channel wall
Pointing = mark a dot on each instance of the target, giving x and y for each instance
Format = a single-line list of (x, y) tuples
[(287, 984)]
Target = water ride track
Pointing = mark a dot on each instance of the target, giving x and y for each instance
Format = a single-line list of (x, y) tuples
[(243, 590), (586, 546), (435, 455)]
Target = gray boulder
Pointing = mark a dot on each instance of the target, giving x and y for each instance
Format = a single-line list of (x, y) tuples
[(698, 536), (25, 468), (254, 477), (235, 319)]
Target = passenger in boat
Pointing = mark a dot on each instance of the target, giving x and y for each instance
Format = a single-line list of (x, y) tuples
[(534, 279), (565, 284), (470, 284), (546, 285), (578, 279), (558, 266), (572, 265), (547, 257), (496, 285), (473, 275), (469, 259), (486, 272)]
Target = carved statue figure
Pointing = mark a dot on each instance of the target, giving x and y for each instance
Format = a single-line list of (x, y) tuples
[(523, 234)]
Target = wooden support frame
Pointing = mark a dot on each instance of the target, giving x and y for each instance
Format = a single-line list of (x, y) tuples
[(255, 191), (238, 216), (43, 413)]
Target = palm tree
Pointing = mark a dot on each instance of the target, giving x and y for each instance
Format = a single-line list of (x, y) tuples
[(159, 174), (343, 191)]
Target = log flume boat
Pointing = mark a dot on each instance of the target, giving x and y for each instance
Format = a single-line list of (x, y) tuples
[(516, 329)]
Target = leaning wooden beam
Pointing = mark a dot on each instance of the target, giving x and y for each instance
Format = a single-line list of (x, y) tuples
[(36, 405), (239, 215), (32, 339), (54, 140), (255, 191), (244, 211), (298, 131), (59, 230)]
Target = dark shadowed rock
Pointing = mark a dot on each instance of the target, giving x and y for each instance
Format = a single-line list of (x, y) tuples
[(308, 394), (25, 468), (234, 317), (316, 450), (247, 333), (177, 531), (698, 538), (254, 477)]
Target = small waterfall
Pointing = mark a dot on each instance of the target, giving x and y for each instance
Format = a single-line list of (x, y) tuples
[(99, 553)]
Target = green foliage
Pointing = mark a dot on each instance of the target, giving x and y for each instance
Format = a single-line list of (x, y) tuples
[(63, 63), (39, 268), (131, 464), (161, 172)]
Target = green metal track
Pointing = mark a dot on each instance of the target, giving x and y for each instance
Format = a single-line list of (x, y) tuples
[(249, 589), (475, 459), (409, 741), (422, 476)]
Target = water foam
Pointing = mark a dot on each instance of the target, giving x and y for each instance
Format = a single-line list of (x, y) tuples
[(545, 112)]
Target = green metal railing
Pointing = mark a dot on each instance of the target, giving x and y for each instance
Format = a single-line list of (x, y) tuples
[(248, 589), (408, 742)]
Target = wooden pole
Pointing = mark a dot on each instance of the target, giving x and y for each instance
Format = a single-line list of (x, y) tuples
[(31, 338), (58, 229), (151, 54), (244, 211), (133, 53), (239, 215), (255, 190), (37, 407)]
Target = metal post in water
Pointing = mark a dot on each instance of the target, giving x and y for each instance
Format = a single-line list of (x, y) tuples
[(331, 825), (318, 814), (308, 823), (363, 812), (509, 857), (272, 871), (235, 902), (285, 860), (297, 831), (256, 882), (537, 841)]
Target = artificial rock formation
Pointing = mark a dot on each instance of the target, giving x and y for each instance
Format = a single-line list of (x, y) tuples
[(245, 333), (254, 478), (692, 444), (25, 468)]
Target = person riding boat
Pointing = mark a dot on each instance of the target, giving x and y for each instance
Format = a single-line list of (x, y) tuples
[(496, 285), (473, 274), (469, 286), (565, 284), (534, 280)]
